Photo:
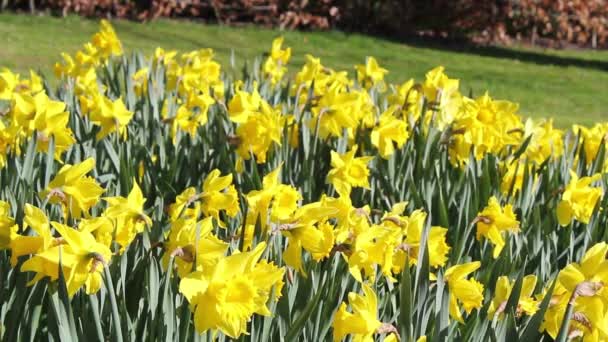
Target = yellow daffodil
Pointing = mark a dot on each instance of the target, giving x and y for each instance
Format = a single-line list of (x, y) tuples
[(372, 248), (351, 221), (513, 176), (50, 120), (370, 73), (219, 194), (8, 82), (584, 285), (468, 292), (140, 81), (128, 216), (493, 221), (190, 241), (284, 200), (111, 116), (225, 296), (27, 244), (334, 113), (412, 228), (191, 114), (483, 126), (348, 171), (579, 199), (259, 133), (275, 65), (389, 132), (525, 305), (546, 142), (362, 323), (186, 206), (106, 41), (593, 138), (81, 257), (196, 70), (71, 188), (7, 225), (244, 104), (406, 99), (441, 93), (308, 228)]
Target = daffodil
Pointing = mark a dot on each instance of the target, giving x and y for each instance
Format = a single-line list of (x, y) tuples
[(579, 199), (106, 41), (7, 224), (225, 296), (406, 98), (545, 142), (8, 82), (362, 322), (140, 81), (80, 256), (584, 286), (128, 216), (593, 138), (275, 65), (111, 116), (441, 92), (389, 132), (370, 73), (525, 305), (27, 244), (219, 194), (513, 174), (349, 171), (259, 133), (51, 122), (467, 292), (186, 206), (483, 126), (317, 240), (244, 104), (274, 202), (71, 188), (196, 70), (373, 247), (308, 229), (334, 113), (323, 78), (412, 228), (493, 221), (104, 44), (351, 221), (190, 115), (193, 242)]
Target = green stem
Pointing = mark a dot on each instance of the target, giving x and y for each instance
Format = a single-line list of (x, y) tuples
[(115, 315), (95, 310)]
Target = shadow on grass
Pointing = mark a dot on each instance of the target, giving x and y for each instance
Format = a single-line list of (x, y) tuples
[(448, 45), (536, 57)]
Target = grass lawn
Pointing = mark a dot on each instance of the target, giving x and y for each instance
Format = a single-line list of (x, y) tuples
[(571, 86)]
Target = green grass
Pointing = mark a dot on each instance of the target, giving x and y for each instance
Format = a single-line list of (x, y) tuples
[(571, 86)]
